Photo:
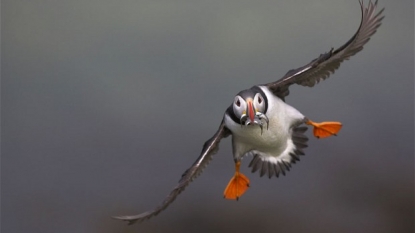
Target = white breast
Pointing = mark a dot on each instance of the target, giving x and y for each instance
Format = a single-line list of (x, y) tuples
[(275, 143)]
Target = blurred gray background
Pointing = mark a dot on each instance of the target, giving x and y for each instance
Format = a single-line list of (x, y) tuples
[(106, 103)]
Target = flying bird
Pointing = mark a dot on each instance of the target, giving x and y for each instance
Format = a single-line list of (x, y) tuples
[(263, 126)]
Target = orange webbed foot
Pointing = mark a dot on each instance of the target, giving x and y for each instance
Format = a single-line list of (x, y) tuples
[(237, 186), (325, 129)]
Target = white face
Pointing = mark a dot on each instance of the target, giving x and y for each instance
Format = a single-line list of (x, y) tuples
[(239, 106), (259, 103), (250, 111)]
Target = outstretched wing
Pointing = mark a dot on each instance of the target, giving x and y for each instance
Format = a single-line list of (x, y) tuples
[(210, 147), (321, 67)]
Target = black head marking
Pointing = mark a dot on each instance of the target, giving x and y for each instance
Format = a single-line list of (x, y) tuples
[(248, 93)]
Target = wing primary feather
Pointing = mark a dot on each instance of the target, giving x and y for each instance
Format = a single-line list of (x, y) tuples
[(323, 66), (209, 149)]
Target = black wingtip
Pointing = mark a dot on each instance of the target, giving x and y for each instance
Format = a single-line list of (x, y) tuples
[(123, 218)]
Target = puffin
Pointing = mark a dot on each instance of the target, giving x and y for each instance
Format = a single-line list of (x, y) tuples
[(262, 125)]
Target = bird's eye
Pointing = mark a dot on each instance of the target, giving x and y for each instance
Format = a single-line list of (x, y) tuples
[(259, 100), (238, 103)]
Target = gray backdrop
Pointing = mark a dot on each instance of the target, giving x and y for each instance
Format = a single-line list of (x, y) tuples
[(106, 103)]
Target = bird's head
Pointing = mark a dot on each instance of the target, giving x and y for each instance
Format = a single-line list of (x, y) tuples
[(250, 107)]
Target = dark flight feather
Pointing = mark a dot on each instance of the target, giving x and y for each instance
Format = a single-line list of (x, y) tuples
[(322, 67), (210, 147)]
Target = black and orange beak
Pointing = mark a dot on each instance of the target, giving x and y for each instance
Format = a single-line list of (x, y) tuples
[(251, 111)]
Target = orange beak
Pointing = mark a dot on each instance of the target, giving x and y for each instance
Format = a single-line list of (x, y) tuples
[(251, 112)]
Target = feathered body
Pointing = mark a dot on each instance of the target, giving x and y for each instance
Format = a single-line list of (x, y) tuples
[(275, 145), (264, 126)]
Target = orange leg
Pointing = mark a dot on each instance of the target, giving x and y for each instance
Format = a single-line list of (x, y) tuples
[(238, 184), (325, 129)]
